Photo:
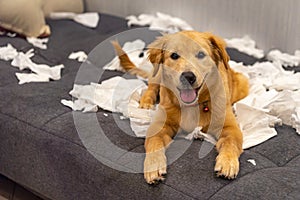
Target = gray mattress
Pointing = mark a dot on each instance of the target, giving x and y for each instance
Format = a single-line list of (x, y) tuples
[(41, 150)]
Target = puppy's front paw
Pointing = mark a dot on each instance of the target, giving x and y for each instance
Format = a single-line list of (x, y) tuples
[(146, 103), (155, 167), (227, 165)]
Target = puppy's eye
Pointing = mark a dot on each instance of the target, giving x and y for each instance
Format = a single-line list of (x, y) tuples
[(175, 56), (200, 55)]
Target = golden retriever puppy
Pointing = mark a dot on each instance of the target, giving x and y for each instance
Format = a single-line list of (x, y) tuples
[(196, 87)]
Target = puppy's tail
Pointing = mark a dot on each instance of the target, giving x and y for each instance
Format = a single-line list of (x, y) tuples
[(126, 63)]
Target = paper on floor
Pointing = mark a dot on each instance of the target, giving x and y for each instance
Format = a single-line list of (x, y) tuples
[(273, 91), (43, 71), (38, 42), (80, 56), (159, 22), (270, 75), (284, 58), (27, 78), (252, 161), (117, 95), (40, 72), (89, 19), (198, 134), (8, 52), (245, 45)]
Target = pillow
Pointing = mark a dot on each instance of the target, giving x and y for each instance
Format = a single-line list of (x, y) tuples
[(27, 17)]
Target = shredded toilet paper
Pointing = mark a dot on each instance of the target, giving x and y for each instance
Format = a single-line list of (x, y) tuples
[(20, 60), (159, 22), (284, 59), (117, 95), (245, 45), (38, 42), (273, 97), (80, 56), (8, 52)]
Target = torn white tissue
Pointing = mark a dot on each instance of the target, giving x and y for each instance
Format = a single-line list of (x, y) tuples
[(245, 45), (31, 77), (252, 161), (23, 61), (198, 134), (160, 22), (270, 75), (89, 19), (8, 52), (40, 72), (284, 58), (116, 94), (80, 56), (137, 55), (269, 101), (38, 42), (9, 34), (255, 124), (81, 105)]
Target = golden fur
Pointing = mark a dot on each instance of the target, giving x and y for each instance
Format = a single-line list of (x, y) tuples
[(216, 85)]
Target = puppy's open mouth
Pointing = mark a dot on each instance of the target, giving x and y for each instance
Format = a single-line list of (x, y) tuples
[(190, 95)]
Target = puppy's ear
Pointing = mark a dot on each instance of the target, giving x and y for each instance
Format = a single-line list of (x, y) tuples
[(218, 47), (156, 52)]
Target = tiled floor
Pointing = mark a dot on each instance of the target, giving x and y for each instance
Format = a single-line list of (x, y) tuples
[(10, 190)]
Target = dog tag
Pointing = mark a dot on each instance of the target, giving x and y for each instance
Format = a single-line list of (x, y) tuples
[(205, 107)]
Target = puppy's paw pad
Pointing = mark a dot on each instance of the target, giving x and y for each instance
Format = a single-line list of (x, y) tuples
[(227, 166), (155, 168)]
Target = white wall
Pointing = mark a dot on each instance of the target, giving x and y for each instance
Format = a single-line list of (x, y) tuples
[(271, 23)]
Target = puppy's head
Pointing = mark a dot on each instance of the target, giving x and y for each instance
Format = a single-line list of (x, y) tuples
[(187, 59)]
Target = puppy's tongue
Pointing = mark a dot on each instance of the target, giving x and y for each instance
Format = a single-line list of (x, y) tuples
[(188, 95)]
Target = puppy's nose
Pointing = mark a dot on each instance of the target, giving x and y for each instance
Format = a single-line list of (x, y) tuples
[(188, 77)]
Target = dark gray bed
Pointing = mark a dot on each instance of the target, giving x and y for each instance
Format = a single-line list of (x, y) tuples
[(41, 150)]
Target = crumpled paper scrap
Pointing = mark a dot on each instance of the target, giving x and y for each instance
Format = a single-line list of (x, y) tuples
[(160, 22), (270, 75), (40, 72), (198, 134), (284, 59), (245, 45), (89, 19), (269, 100), (116, 95), (256, 124), (80, 56), (252, 161), (136, 53), (8, 53), (38, 42)]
